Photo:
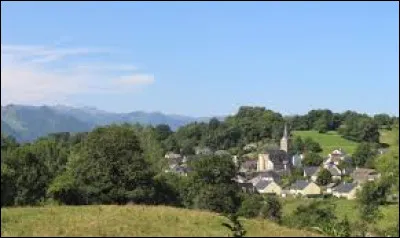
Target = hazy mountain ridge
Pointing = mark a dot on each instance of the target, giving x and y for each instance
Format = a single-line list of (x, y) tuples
[(27, 123)]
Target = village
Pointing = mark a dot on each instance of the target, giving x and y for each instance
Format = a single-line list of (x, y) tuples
[(264, 175)]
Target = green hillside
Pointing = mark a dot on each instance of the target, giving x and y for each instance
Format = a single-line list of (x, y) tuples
[(329, 141), (127, 221), (390, 213)]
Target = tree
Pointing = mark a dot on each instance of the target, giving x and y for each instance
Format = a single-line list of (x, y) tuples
[(383, 120), (7, 184), (321, 125), (214, 170), (311, 146), (298, 145), (220, 198), (272, 209), (111, 167), (370, 197), (324, 177), (31, 176), (163, 131), (370, 132), (251, 206), (315, 214), (312, 159), (363, 153)]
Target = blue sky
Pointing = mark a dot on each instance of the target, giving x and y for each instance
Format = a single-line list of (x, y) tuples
[(202, 58)]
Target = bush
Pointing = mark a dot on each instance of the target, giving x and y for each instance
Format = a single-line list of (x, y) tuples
[(315, 214), (220, 198), (272, 209), (251, 206)]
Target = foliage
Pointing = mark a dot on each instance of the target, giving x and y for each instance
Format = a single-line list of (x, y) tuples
[(251, 206), (324, 177), (311, 146), (370, 197), (297, 145), (312, 159), (336, 229), (272, 208), (365, 154), (360, 129), (315, 214), (236, 227), (220, 198)]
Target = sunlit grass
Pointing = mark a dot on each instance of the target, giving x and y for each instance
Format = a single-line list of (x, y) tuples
[(126, 221)]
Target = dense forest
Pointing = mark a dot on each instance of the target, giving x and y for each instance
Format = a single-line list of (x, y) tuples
[(120, 164)]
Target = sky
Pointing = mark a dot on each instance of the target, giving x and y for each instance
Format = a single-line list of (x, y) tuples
[(202, 58)]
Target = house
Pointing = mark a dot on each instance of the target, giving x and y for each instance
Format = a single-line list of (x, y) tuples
[(329, 188), (240, 179), (311, 172), (247, 187), (305, 188), (268, 187), (336, 173), (362, 175), (172, 155), (346, 190), (273, 160), (335, 157), (266, 176), (203, 151), (297, 160), (285, 193), (347, 171), (277, 160), (248, 166)]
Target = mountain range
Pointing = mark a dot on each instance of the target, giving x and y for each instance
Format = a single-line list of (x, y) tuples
[(27, 123)]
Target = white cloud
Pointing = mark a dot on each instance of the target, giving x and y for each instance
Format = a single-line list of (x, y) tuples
[(136, 79), (44, 75)]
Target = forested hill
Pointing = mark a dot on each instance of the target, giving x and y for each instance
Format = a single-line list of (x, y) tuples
[(27, 123), (250, 124)]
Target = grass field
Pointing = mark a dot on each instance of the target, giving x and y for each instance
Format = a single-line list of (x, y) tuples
[(329, 141), (126, 221), (349, 208), (387, 136)]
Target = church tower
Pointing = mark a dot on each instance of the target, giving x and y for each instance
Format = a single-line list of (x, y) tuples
[(285, 141)]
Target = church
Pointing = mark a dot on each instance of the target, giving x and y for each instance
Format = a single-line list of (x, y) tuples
[(276, 160)]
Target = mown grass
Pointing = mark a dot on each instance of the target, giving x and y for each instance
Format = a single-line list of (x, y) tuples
[(127, 221), (390, 213), (329, 141)]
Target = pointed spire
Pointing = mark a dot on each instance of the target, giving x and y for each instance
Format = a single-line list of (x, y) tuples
[(285, 132)]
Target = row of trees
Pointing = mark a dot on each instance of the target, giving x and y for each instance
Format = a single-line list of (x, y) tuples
[(254, 124)]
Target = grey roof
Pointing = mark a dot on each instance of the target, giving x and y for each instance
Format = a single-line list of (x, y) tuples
[(363, 174), (344, 187), (347, 171), (277, 156), (331, 185), (262, 184), (333, 171), (269, 174), (245, 185), (300, 184), (311, 170), (248, 164)]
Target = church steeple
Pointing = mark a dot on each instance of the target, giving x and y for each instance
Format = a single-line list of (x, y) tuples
[(285, 132), (284, 141)]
